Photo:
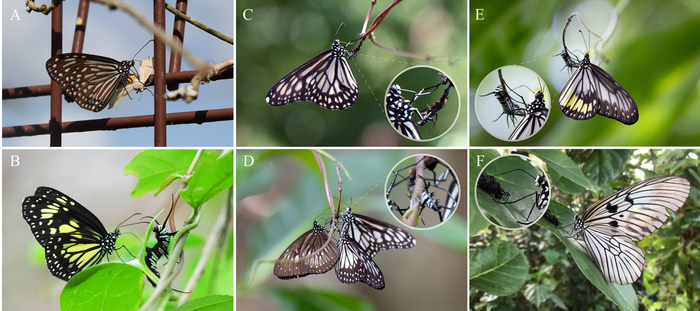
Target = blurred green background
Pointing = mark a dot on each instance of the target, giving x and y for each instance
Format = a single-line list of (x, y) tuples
[(282, 193), (653, 52), (284, 34)]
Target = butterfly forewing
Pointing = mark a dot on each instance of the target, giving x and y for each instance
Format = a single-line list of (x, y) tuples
[(301, 259), (73, 238), (91, 80), (326, 80), (375, 235), (355, 265)]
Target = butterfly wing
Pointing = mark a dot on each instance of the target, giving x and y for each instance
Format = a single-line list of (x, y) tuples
[(73, 238), (301, 259), (618, 258), (374, 235), (326, 80), (355, 265), (90, 80), (612, 225), (639, 209), (591, 90), (530, 124)]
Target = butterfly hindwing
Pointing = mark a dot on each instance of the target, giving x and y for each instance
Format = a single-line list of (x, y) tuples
[(355, 265)]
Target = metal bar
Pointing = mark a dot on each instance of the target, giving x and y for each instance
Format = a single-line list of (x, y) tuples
[(45, 89), (160, 136), (110, 124), (178, 38), (80, 25), (56, 48)]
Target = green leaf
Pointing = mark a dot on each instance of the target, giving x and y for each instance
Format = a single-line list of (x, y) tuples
[(604, 165), (153, 166), (110, 286), (559, 161), (208, 303), (500, 269), (169, 180), (537, 294), (210, 177), (311, 299)]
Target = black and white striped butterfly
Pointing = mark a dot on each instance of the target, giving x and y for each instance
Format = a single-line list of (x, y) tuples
[(508, 104), (591, 91), (93, 82), (375, 235), (611, 226), (541, 199), (356, 265), (400, 111), (326, 80), (160, 249), (535, 116), (308, 254)]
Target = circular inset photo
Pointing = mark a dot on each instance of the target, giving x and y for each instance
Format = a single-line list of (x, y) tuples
[(512, 192), (416, 98), (422, 191), (512, 103)]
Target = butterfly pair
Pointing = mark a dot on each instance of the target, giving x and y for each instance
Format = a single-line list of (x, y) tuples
[(591, 91), (361, 239), (73, 238), (95, 82)]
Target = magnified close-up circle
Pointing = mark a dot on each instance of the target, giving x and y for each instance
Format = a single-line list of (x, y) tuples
[(427, 183), (513, 192), (512, 103), (422, 103)]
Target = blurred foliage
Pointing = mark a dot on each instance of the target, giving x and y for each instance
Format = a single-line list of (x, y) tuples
[(282, 35), (663, 82), (554, 282)]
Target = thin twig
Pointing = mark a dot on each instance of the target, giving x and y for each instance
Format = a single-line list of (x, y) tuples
[(199, 25)]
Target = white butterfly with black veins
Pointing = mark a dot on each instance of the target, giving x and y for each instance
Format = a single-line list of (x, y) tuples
[(375, 235), (326, 80), (92, 81), (611, 226), (356, 265), (307, 255)]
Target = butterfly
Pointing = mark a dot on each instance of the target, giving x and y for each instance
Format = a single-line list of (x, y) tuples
[(356, 265), (535, 116), (160, 249), (400, 111), (73, 238), (308, 254), (591, 91), (611, 226), (92, 81), (326, 80), (375, 235), (134, 83)]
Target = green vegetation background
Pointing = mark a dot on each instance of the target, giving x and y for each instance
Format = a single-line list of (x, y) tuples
[(654, 53)]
